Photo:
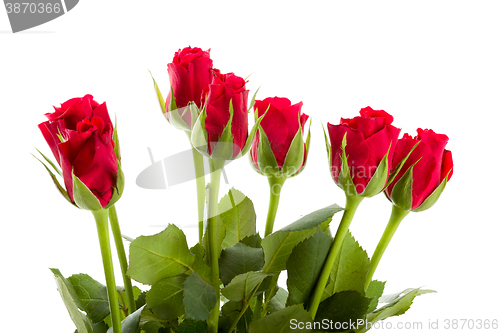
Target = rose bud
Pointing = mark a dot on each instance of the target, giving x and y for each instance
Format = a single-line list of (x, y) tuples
[(423, 173), (361, 152), (85, 145), (221, 130), (190, 73), (279, 148)]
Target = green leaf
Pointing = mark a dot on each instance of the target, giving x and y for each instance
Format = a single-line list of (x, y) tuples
[(278, 302), (374, 291), (150, 324), (61, 189), (131, 323), (252, 241), (279, 245), (350, 269), (238, 215), (342, 307), (241, 287), (304, 266), (199, 297), (93, 296), (193, 326), (154, 258), (282, 321), (84, 198), (71, 302), (165, 298), (239, 259), (398, 304), (230, 311), (100, 327)]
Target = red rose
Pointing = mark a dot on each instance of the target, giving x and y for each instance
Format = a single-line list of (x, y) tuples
[(430, 166), (80, 135), (226, 88), (280, 125), (368, 140), (189, 74)]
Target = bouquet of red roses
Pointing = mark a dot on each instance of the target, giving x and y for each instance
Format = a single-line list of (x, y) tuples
[(228, 281)]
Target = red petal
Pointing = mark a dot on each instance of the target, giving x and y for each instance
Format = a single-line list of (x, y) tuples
[(379, 144), (447, 165), (356, 150)]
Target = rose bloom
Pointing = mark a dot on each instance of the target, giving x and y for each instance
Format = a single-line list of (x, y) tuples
[(79, 133), (369, 137)]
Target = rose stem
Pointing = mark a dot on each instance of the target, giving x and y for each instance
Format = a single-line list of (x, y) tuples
[(397, 215), (275, 185), (101, 219), (199, 171), (352, 202), (115, 227), (213, 235)]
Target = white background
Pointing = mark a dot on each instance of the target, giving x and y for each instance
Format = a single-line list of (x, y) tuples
[(429, 64)]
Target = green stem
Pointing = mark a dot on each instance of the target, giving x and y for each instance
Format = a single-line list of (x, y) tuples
[(199, 171), (120, 249), (352, 203), (275, 185), (213, 235), (101, 219), (397, 216)]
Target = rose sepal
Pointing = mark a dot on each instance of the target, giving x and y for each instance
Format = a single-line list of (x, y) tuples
[(172, 113), (199, 134), (268, 166), (402, 192), (251, 135), (120, 185), (161, 101), (398, 168), (328, 147), (295, 156), (433, 197), (83, 196), (223, 148), (345, 181), (252, 102), (306, 149), (378, 180), (59, 187)]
